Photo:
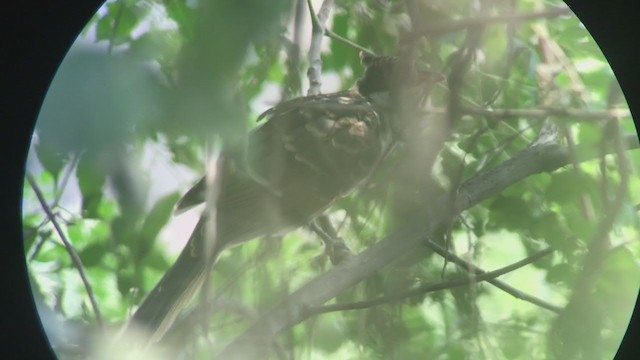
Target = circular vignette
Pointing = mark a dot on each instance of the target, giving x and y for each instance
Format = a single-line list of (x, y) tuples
[(610, 31)]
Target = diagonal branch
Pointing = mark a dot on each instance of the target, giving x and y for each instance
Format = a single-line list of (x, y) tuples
[(495, 282), (335, 247), (428, 288), (540, 157), (74, 256), (342, 39)]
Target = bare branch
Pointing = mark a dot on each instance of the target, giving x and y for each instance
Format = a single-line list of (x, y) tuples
[(74, 256), (540, 157), (440, 28), (65, 179), (542, 113), (332, 35), (336, 248), (315, 49), (495, 282), (428, 288)]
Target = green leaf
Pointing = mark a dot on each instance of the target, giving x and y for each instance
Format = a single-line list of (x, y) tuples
[(91, 179), (92, 254), (617, 286), (107, 210), (589, 138), (77, 234), (104, 28), (548, 227), (118, 24), (156, 219), (182, 14), (328, 334), (580, 226), (513, 344), (567, 187), (341, 54), (30, 230), (511, 213), (561, 274), (123, 230), (126, 280), (148, 46), (51, 160), (111, 302), (156, 260)]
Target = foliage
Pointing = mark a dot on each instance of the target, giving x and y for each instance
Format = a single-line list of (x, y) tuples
[(166, 77)]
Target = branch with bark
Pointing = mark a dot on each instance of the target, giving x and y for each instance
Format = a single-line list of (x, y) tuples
[(75, 258), (315, 62), (448, 26), (428, 288), (543, 113), (540, 157)]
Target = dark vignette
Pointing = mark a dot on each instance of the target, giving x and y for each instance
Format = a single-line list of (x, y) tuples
[(37, 35)]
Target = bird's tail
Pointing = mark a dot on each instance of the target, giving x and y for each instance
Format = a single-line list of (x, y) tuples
[(177, 287)]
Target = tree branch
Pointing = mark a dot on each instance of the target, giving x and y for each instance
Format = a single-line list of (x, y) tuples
[(495, 282), (440, 28), (540, 157), (315, 49), (428, 288), (65, 179), (330, 34), (335, 247), (74, 256), (541, 113), (597, 251)]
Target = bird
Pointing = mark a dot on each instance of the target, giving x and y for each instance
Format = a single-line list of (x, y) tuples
[(309, 152)]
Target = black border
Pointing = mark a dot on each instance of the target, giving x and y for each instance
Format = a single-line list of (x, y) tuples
[(615, 27), (35, 37)]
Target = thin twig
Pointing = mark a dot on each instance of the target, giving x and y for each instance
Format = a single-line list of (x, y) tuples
[(65, 180), (495, 282), (542, 113), (315, 49), (116, 24), (337, 250), (40, 242), (74, 256), (332, 35), (440, 28), (428, 288), (488, 159)]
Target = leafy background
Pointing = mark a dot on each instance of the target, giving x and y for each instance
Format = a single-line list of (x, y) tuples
[(124, 128)]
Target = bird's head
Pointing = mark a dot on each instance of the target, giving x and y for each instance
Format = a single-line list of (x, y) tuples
[(396, 89), (386, 76)]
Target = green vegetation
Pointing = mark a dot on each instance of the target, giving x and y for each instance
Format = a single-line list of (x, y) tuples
[(171, 76)]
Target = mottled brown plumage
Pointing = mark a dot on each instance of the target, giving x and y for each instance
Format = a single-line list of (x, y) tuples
[(309, 152)]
